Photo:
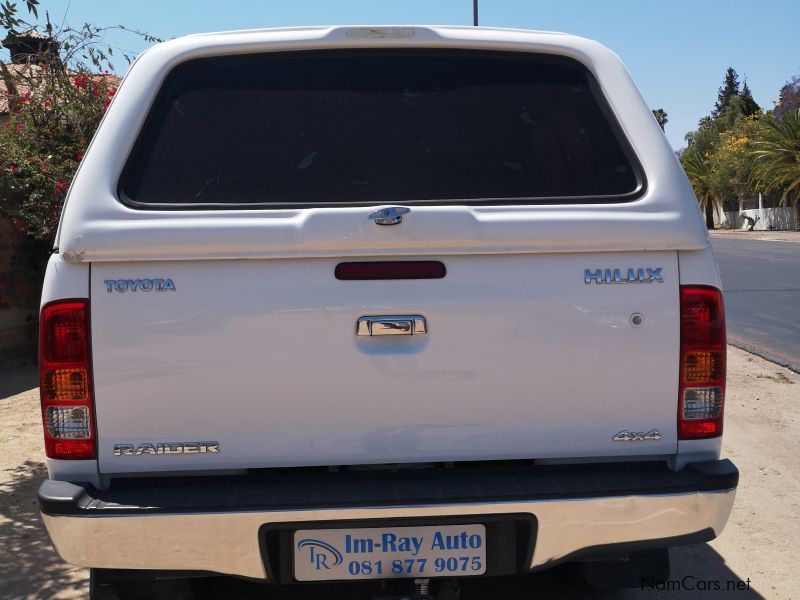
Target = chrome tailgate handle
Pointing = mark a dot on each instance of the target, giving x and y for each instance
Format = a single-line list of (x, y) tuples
[(391, 215), (391, 325)]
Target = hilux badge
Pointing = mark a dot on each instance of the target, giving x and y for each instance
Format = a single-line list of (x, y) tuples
[(631, 275)]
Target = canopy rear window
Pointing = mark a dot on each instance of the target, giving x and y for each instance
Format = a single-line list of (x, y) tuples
[(369, 127)]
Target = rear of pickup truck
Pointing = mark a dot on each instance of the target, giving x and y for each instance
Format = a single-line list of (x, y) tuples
[(371, 303)]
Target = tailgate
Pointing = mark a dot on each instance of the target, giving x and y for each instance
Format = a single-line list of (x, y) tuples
[(521, 359)]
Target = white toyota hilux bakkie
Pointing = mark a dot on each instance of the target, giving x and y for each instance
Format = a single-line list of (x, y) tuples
[(375, 303)]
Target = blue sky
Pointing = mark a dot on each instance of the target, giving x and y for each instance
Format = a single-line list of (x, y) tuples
[(676, 50)]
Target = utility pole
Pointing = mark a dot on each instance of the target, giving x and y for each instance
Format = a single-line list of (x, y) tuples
[(475, 12)]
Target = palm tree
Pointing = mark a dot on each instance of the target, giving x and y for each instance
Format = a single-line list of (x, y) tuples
[(699, 173), (776, 153), (661, 116)]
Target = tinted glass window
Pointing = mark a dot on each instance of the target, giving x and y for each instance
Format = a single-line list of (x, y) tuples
[(377, 127)]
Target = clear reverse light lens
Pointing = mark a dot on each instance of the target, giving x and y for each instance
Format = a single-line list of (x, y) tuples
[(68, 422), (702, 403)]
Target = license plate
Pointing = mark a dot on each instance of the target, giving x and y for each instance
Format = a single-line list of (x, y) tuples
[(387, 552)]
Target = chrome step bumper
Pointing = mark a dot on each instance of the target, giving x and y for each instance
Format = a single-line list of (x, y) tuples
[(98, 529)]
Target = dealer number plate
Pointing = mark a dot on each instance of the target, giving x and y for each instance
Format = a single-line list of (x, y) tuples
[(386, 552)]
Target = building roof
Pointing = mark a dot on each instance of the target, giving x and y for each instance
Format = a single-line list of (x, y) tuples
[(21, 72), (30, 47)]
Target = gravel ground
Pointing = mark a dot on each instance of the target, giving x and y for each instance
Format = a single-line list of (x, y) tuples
[(759, 544)]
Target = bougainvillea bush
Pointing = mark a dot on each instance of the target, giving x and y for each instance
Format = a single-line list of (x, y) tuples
[(42, 144), (53, 102), (42, 141)]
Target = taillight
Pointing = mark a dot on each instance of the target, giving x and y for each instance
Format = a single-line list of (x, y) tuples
[(65, 379), (702, 379)]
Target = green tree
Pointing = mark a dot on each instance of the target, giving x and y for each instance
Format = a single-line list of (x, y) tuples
[(776, 156), (789, 96), (729, 89), (698, 170), (731, 163), (717, 157), (661, 116), (750, 106)]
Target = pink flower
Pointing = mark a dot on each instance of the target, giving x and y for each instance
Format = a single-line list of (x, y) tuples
[(80, 81), (60, 187)]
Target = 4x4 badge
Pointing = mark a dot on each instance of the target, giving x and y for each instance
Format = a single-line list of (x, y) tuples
[(629, 436)]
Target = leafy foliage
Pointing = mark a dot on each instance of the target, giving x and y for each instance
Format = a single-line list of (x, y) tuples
[(55, 102), (8, 14), (698, 170), (43, 141), (737, 150), (731, 164), (661, 116), (776, 155), (749, 105), (789, 98), (729, 89)]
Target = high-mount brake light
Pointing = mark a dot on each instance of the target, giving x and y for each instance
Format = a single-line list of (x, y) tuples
[(65, 379), (701, 401)]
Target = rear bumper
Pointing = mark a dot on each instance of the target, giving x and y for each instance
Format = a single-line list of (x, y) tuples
[(218, 524)]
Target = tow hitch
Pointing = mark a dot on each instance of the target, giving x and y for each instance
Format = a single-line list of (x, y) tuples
[(446, 589)]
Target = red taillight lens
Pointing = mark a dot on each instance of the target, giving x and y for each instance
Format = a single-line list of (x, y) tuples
[(65, 380), (702, 376)]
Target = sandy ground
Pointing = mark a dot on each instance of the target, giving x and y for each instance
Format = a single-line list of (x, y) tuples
[(759, 544)]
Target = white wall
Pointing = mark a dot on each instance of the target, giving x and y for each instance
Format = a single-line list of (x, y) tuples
[(779, 219)]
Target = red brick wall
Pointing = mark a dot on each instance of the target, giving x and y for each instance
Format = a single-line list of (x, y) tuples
[(9, 241), (17, 323)]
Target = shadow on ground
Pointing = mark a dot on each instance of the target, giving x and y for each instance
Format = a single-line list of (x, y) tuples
[(17, 376), (29, 567), (698, 571)]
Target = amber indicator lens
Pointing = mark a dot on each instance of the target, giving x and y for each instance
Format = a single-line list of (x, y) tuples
[(700, 367)]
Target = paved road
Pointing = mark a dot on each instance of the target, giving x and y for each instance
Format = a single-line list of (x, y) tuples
[(762, 296)]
